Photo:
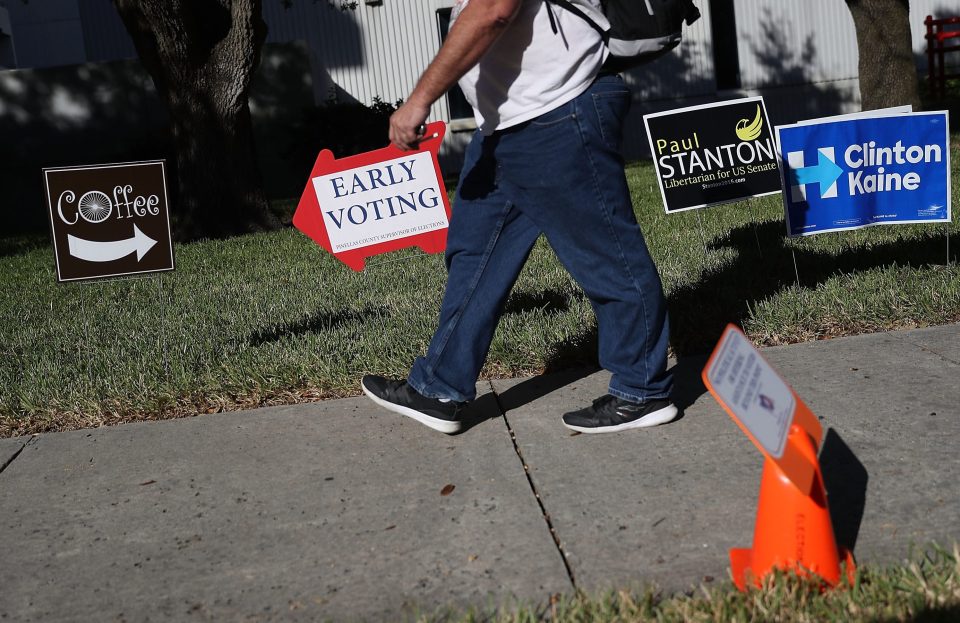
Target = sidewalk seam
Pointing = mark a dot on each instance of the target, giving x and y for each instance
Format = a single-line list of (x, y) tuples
[(536, 494), (927, 349), (17, 453)]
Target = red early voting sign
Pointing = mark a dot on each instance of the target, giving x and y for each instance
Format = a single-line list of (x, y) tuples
[(376, 202)]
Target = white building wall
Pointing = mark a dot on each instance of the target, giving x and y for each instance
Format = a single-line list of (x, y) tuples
[(373, 51), (800, 55), (48, 33), (685, 72), (784, 43), (105, 37), (379, 50)]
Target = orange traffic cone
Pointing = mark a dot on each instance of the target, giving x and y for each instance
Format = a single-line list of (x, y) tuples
[(793, 529)]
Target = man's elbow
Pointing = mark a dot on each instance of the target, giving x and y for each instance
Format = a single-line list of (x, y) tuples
[(501, 12)]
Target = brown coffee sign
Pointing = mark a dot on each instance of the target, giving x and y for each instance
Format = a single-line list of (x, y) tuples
[(109, 220)]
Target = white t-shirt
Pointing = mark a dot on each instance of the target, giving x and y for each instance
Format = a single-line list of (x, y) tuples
[(530, 69)]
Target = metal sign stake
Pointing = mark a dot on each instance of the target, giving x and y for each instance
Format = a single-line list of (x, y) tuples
[(753, 221), (948, 244), (163, 331), (81, 361), (795, 270), (703, 239)]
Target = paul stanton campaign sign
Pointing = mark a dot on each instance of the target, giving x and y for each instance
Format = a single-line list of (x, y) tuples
[(714, 153), (854, 173), (376, 202)]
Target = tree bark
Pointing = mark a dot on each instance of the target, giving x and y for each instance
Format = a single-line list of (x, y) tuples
[(201, 55), (888, 75)]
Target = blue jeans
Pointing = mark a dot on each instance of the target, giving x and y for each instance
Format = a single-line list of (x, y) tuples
[(560, 174)]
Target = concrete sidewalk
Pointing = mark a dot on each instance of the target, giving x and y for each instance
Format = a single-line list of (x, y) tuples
[(342, 511)]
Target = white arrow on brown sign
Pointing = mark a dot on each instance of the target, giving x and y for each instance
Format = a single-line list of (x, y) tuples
[(110, 250)]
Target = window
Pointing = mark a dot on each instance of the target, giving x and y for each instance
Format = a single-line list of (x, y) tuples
[(726, 59), (8, 56), (456, 102)]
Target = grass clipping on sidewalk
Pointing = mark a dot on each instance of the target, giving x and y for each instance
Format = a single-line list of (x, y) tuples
[(926, 589), (272, 318)]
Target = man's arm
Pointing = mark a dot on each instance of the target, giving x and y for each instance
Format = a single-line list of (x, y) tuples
[(474, 31)]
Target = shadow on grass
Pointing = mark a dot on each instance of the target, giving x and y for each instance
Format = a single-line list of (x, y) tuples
[(763, 267), (315, 324), (20, 244), (578, 351), (700, 311), (932, 614), (550, 301)]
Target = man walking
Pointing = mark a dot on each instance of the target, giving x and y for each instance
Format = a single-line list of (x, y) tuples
[(545, 159)]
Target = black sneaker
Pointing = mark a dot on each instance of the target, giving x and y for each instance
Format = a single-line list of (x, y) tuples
[(399, 397), (609, 414)]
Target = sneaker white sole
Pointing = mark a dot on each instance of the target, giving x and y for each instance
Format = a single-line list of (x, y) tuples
[(444, 426), (660, 416)]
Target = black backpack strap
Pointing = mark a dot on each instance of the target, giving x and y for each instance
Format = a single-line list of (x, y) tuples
[(569, 6)]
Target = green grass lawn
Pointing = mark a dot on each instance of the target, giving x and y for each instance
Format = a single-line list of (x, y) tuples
[(926, 589), (272, 318)]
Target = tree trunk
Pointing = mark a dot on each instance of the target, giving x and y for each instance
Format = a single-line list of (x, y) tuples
[(201, 55), (888, 75)]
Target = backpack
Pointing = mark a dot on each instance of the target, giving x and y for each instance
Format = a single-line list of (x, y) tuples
[(640, 30)]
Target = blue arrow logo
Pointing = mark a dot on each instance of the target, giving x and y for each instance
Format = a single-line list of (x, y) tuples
[(826, 172)]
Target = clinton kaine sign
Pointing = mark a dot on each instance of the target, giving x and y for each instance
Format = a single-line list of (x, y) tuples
[(376, 202), (853, 172)]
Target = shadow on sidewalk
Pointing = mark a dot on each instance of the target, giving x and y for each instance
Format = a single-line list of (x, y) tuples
[(687, 384), (688, 387), (539, 386), (479, 411), (845, 479)]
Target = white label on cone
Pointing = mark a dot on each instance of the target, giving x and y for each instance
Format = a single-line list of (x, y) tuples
[(751, 389)]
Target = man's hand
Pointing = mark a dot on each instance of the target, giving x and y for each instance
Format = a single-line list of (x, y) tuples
[(471, 35), (405, 123)]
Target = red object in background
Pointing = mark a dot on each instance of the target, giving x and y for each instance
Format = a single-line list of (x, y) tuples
[(937, 39), (309, 217)]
